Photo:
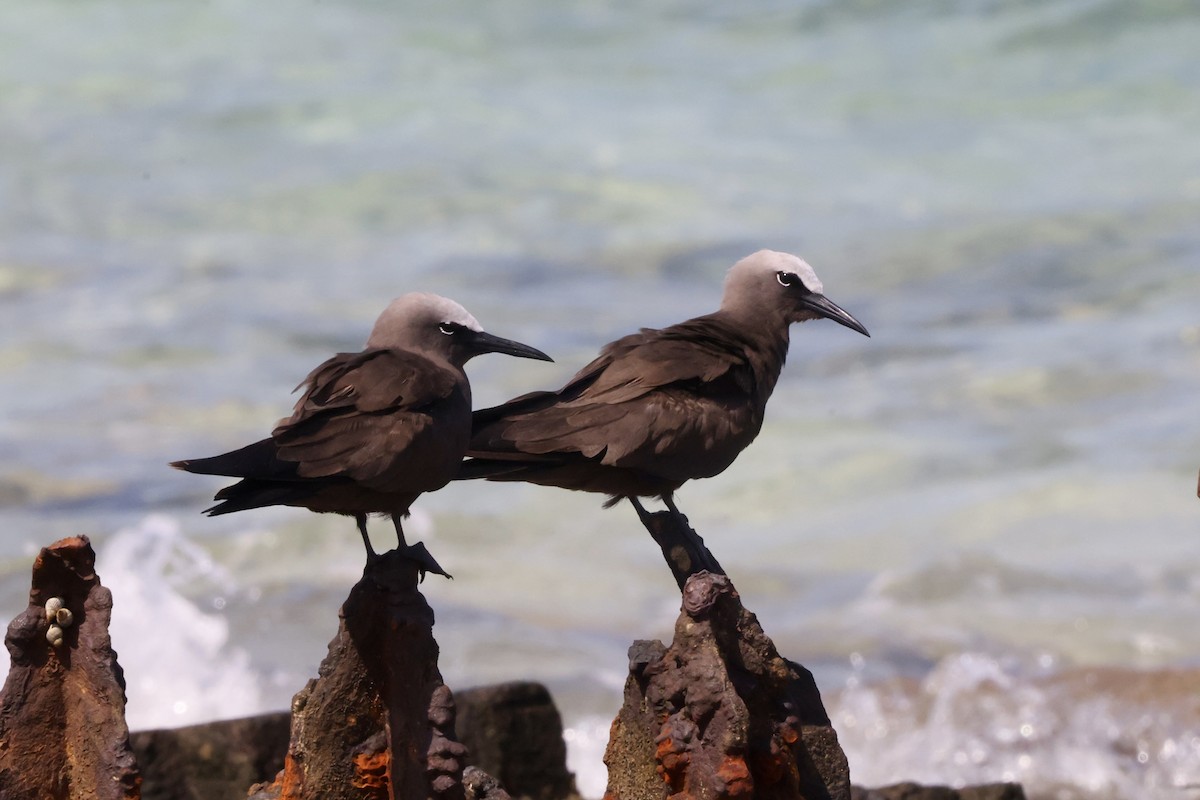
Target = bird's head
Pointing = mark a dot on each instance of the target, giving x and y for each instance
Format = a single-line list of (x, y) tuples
[(770, 284), (439, 326)]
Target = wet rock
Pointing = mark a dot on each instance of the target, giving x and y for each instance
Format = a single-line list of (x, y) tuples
[(481, 786), (333, 717), (720, 714), (380, 675), (215, 759), (514, 732), (62, 709)]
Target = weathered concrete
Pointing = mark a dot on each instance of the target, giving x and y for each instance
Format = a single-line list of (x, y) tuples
[(720, 714), (62, 709)]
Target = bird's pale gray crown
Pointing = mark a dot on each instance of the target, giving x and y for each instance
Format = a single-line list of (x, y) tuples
[(767, 291), (437, 326), (756, 266), (410, 319)]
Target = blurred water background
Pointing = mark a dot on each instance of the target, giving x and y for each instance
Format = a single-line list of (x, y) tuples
[(200, 202)]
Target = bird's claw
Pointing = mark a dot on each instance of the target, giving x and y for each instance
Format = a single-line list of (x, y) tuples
[(424, 560)]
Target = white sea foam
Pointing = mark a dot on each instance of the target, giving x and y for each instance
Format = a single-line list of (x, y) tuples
[(179, 665), (586, 739), (979, 719)]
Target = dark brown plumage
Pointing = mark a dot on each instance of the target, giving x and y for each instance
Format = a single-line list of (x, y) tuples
[(660, 407), (373, 430)]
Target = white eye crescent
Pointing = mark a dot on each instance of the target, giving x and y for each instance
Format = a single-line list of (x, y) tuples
[(448, 328), (787, 278)]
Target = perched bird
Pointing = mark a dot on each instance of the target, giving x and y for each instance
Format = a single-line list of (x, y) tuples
[(660, 407), (374, 429)]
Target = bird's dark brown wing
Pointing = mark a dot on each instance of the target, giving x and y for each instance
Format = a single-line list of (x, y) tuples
[(676, 403), (370, 417)]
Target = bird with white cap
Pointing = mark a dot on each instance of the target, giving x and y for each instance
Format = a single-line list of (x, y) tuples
[(660, 407), (373, 430)]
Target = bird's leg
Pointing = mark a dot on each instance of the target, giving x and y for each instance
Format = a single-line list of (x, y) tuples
[(418, 553), (703, 555), (669, 501), (682, 547), (645, 516), (361, 519)]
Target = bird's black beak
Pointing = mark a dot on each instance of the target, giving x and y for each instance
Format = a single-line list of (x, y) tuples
[(822, 305), (484, 342)]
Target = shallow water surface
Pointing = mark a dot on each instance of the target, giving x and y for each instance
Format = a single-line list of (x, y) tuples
[(204, 202)]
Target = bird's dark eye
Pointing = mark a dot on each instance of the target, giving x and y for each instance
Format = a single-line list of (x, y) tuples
[(792, 281), (449, 328)]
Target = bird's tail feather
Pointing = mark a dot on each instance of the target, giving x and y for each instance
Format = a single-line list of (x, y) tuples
[(257, 460), (252, 493)]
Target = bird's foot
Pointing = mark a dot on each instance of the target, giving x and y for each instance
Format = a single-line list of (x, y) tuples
[(681, 546), (424, 560)]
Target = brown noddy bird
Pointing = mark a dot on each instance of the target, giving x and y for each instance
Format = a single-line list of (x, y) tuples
[(374, 429), (661, 406)]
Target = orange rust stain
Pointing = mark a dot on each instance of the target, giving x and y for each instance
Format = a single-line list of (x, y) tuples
[(776, 767), (673, 762), (736, 775), (291, 780), (372, 771)]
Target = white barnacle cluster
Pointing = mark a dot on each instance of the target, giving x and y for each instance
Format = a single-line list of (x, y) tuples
[(59, 617)]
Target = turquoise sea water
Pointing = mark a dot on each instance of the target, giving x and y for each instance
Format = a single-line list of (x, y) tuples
[(202, 202)]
